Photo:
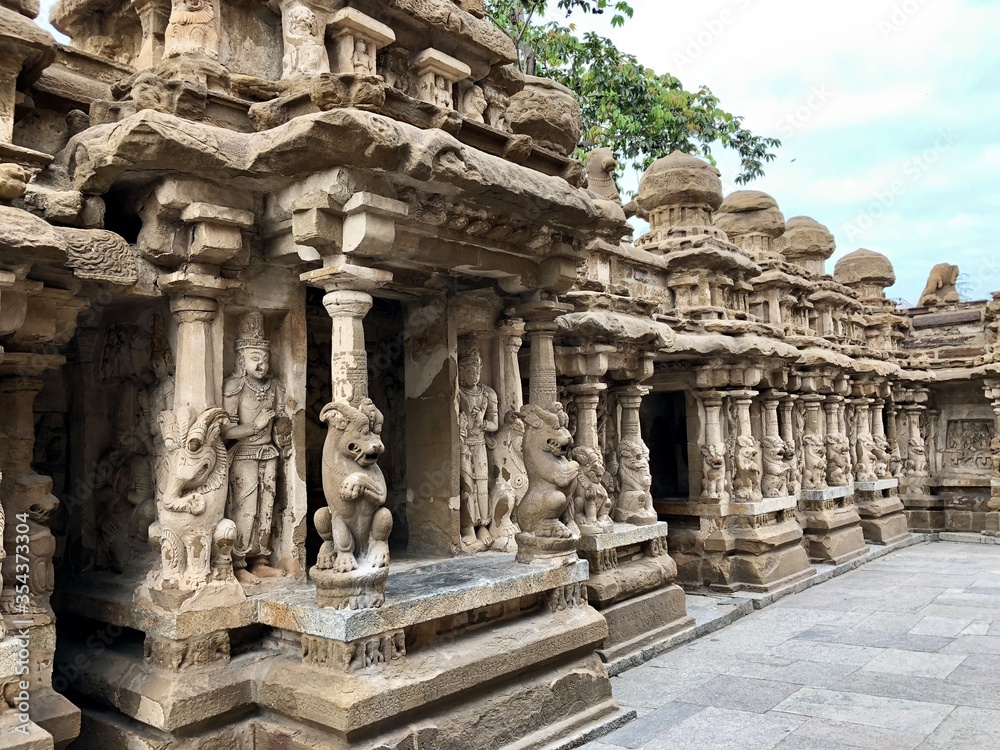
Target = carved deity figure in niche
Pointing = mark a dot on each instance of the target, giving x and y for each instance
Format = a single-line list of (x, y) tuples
[(395, 70), (814, 474), (746, 485), (838, 460), (364, 57), (305, 52), (635, 502), (477, 418), (191, 30), (473, 104), (591, 502), (262, 433), (442, 91), (776, 467), (713, 483)]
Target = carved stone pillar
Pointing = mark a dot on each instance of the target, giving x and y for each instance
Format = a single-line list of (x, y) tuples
[(892, 437), (587, 396), (153, 15), (864, 468), (991, 526), (747, 471), (634, 503), (789, 437), (511, 332), (776, 454), (715, 472), (838, 454), (876, 493), (814, 449)]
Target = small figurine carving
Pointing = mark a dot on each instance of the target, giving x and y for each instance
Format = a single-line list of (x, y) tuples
[(353, 561), (776, 467), (477, 418), (551, 475), (473, 104), (591, 502), (601, 167), (305, 52), (441, 96), (746, 486), (191, 30), (257, 422), (838, 460), (916, 459), (713, 471), (941, 286), (864, 468), (635, 502), (814, 472), (193, 538), (395, 70), (364, 57), (497, 102)]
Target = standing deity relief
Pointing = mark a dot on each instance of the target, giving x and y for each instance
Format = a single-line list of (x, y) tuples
[(478, 417), (261, 434)]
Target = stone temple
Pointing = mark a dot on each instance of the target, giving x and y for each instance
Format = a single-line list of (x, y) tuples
[(340, 409)]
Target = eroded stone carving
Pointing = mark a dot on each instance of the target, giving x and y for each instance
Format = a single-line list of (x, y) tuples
[(746, 485), (353, 563), (713, 471), (194, 540), (635, 503), (968, 443), (191, 30), (838, 460), (776, 467), (472, 103), (33, 507), (591, 502), (601, 167), (814, 460), (477, 419), (941, 286), (262, 433), (305, 52)]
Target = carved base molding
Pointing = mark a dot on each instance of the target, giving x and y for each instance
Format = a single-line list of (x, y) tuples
[(881, 511), (545, 550), (363, 588), (831, 526)]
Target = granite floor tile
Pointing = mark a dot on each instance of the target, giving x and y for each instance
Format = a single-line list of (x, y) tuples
[(966, 729), (947, 627), (647, 728), (811, 673), (740, 693), (915, 688), (847, 733), (858, 708), (915, 663), (724, 729)]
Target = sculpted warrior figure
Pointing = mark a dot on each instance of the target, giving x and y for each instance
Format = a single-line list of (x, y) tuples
[(478, 417), (262, 431), (191, 30)]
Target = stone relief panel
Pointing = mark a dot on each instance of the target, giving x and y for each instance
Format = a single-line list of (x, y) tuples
[(477, 418), (967, 445)]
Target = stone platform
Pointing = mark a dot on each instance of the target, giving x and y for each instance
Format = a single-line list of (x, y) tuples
[(456, 643), (632, 585), (882, 518), (831, 524)]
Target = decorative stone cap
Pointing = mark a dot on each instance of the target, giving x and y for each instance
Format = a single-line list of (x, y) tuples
[(437, 62), (680, 180), (353, 21), (865, 267), (750, 212), (805, 239)]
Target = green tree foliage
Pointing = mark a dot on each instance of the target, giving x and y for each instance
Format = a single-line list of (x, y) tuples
[(638, 113)]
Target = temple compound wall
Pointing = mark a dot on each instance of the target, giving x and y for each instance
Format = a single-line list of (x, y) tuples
[(339, 406)]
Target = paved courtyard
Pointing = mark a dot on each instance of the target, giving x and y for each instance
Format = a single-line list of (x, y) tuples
[(902, 653)]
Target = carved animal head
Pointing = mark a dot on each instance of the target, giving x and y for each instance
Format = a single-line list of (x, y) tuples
[(591, 463), (633, 455), (551, 424), (773, 447), (747, 446), (356, 430), (713, 454)]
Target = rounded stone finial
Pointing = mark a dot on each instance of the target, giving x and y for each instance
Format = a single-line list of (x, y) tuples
[(806, 243), (680, 179), (750, 212), (865, 268)]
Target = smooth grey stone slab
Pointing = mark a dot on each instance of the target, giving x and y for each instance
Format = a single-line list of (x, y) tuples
[(888, 713), (828, 493), (623, 535), (877, 486)]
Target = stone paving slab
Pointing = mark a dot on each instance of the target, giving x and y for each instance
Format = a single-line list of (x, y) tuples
[(900, 654)]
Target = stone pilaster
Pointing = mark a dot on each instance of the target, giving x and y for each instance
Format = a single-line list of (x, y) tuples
[(924, 511), (992, 523)]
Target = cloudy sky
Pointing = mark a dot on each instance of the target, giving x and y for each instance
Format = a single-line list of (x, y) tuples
[(888, 111)]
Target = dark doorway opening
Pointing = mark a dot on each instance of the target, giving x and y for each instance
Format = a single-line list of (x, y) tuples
[(663, 418)]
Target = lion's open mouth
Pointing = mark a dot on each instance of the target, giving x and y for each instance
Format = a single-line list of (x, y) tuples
[(369, 458)]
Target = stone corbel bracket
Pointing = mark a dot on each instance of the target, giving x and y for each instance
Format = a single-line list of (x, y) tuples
[(347, 27), (430, 64), (363, 226)]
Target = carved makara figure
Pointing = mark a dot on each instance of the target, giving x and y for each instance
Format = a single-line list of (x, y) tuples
[(551, 475), (838, 460), (194, 540), (591, 502), (477, 419), (713, 483), (305, 52), (635, 502), (601, 167), (746, 485), (262, 433), (191, 30), (777, 467), (864, 469), (354, 526), (814, 472)]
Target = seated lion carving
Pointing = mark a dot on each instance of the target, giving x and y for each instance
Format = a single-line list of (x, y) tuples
[(355, 526), (551, 475)]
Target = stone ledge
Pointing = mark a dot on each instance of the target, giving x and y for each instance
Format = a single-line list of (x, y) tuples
[(767, 505), (827, 493), (877, 486), (623, 535)]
